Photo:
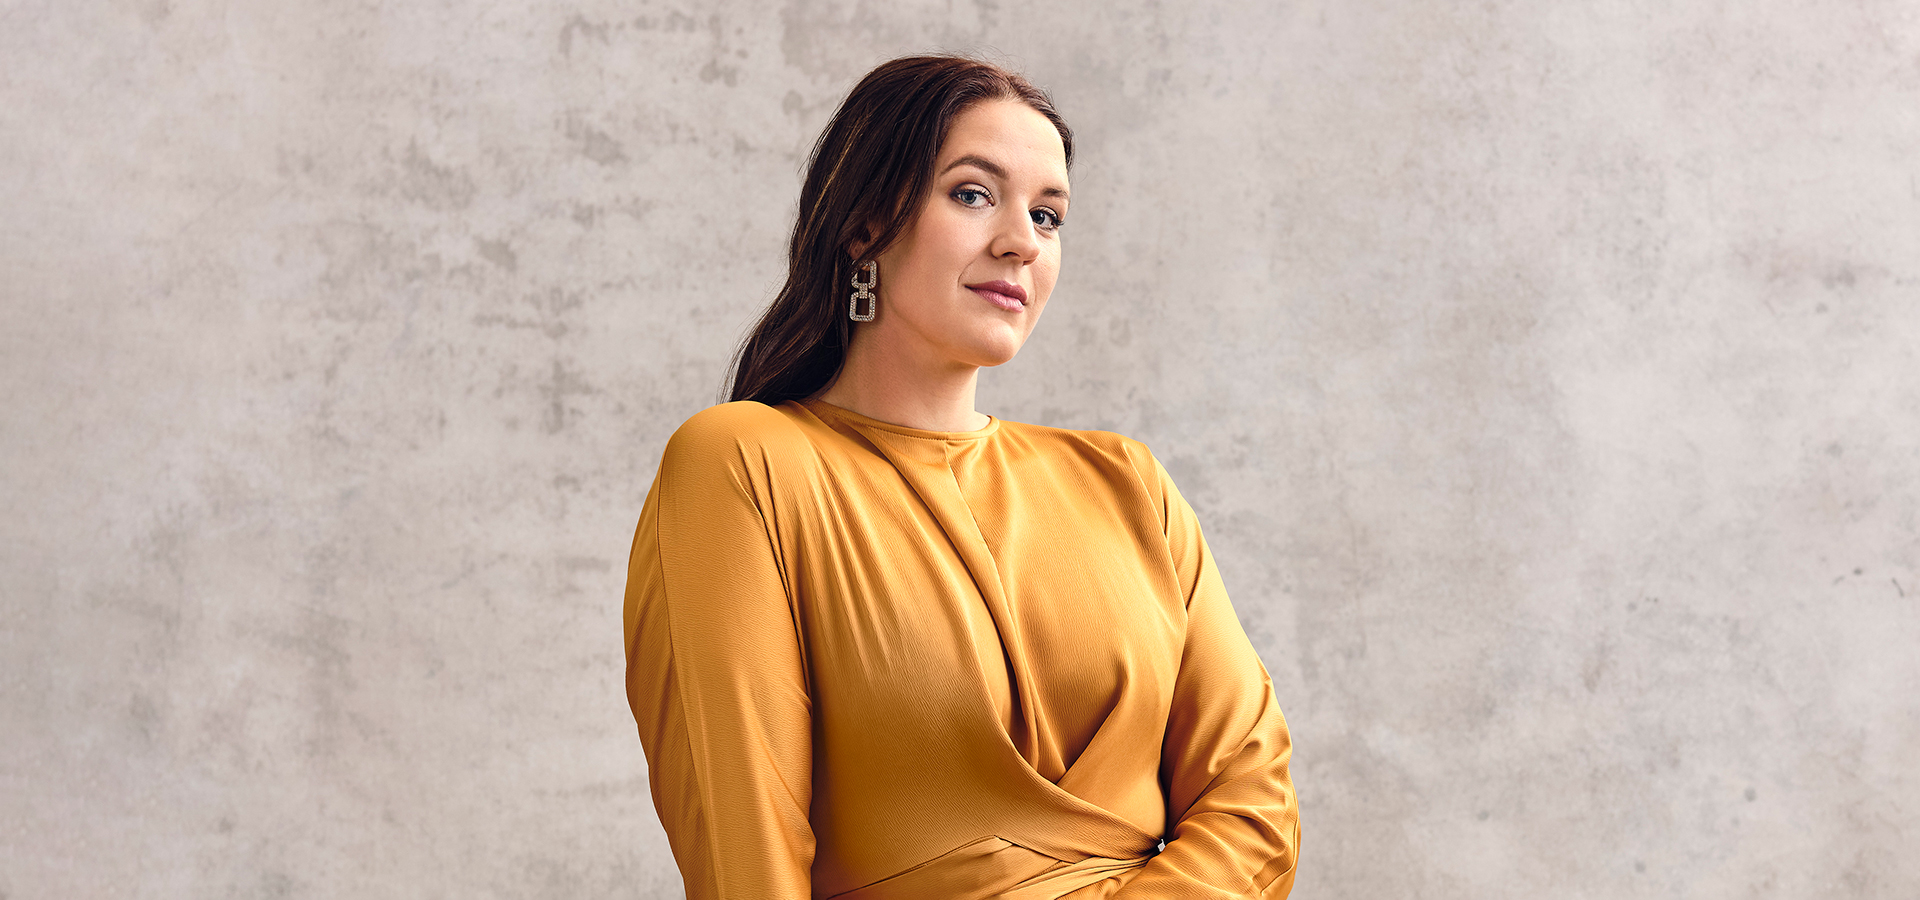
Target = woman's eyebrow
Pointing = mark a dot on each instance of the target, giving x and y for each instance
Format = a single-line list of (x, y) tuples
[(979, 162), (993, 168)]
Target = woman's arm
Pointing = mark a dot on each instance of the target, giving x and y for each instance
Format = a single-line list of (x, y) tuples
[(1224, 761), (715, 672)]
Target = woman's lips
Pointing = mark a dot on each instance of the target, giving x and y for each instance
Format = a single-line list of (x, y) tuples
[(1006, 295)]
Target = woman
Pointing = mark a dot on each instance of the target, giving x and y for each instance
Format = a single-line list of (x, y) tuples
[(881, 645)]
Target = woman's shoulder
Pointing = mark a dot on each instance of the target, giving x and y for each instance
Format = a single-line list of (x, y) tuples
[(742, 428), (1107, 449), (740, 418), (1105, 457)]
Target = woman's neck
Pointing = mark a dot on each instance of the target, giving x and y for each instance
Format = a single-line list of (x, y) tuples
[(897, 391)]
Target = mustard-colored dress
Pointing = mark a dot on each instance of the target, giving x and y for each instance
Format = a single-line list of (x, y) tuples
[(880, 663)]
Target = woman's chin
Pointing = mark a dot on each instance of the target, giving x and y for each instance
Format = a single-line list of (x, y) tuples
[(997, 347), (997, 353)]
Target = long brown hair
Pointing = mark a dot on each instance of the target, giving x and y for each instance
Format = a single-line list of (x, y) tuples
[(866, 176)]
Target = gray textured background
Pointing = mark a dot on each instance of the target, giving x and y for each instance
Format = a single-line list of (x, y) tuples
[(1544, 375)]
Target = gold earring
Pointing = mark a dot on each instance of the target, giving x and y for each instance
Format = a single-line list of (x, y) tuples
[(865, 292)]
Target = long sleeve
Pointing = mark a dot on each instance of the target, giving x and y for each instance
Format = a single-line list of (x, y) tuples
[(1224, 760), (716, 675)]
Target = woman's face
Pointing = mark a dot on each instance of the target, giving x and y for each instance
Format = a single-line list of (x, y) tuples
[(966, 280)]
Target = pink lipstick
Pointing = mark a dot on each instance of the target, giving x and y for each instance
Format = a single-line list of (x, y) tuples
[(1004, 294)]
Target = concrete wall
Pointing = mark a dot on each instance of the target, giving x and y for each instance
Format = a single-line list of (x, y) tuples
[(1544, 374)]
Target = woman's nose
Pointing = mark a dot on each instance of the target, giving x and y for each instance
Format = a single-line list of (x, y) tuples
[(1015, 237)]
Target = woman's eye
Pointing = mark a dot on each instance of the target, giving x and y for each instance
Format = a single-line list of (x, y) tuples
[(1046, 218), (970, 196)]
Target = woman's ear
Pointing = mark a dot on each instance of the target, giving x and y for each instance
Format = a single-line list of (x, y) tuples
[(857, 248)]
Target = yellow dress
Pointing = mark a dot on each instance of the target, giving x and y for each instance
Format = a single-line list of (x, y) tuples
[(880, 663)]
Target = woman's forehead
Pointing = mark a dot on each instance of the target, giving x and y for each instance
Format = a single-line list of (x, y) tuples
[(1007, 139)]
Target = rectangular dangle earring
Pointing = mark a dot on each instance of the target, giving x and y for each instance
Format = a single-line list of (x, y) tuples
[(865, 292)]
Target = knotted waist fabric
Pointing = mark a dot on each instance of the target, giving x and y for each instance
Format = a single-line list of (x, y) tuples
[(1050, 843), (994, 867), (876, 662)]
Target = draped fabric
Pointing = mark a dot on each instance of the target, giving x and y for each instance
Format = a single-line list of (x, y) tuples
[(877, 663)]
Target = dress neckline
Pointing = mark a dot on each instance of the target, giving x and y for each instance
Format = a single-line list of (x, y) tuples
[(840, 412)]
